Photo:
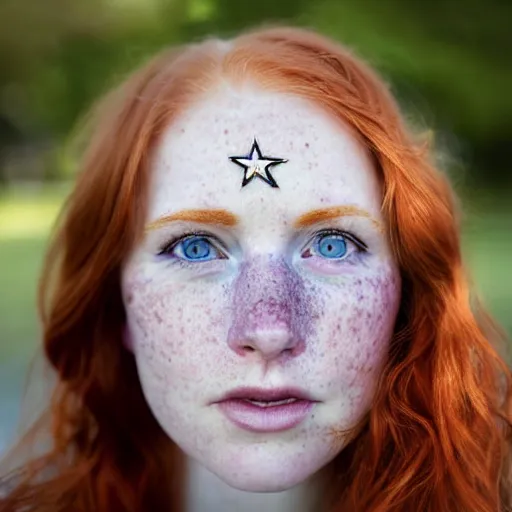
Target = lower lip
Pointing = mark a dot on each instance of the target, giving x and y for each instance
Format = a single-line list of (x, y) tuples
[(266, 419)]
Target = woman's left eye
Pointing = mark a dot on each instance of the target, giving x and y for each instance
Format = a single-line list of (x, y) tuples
[(193, 248), (335, 246)]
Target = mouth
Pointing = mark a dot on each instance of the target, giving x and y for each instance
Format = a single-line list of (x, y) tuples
[(266, 410), (271, 403)]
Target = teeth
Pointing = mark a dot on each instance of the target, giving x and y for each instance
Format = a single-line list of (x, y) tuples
[(275, 403)]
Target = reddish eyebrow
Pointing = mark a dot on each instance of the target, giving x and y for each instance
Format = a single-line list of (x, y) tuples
[(323, 214), (204, 216)]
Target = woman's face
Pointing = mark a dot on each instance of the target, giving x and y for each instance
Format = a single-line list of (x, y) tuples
[(260, 315)]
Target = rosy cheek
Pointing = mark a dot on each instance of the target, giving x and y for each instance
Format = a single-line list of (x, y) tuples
[(356, 327), (174, 325)]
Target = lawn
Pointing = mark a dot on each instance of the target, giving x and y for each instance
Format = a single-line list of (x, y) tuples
[(26, 217)]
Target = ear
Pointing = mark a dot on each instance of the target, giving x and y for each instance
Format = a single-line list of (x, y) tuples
[(127, 338)]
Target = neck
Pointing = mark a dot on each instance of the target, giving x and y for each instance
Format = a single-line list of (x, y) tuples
[(207, 493)]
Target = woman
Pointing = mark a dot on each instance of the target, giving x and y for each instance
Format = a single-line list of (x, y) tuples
[(255, 298)]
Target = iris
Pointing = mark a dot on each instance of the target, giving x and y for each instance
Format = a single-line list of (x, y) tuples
[(196, 248), (332, 246)]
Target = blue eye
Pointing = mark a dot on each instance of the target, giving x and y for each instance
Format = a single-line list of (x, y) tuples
[(196, 248), (193, 248), (334, 245), (331, 246)]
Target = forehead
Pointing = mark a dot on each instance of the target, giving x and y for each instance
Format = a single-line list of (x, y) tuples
[(326, 163)]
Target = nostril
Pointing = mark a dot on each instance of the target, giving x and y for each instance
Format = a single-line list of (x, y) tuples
[(248, 348)]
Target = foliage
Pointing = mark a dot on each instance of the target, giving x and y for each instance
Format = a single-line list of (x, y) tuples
[(449, 62)]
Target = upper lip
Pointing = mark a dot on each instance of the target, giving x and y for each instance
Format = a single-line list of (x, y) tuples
[(266, 395)]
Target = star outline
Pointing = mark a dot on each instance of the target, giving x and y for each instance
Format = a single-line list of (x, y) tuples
[(270, 162)]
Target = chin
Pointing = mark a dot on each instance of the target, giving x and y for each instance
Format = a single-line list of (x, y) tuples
[(261, 483), (273, 469)]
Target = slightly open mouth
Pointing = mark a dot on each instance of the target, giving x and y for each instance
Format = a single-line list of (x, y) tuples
[(270, 403)]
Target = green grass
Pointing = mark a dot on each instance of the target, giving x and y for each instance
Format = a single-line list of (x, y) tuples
[(20, 261), (26, 217)]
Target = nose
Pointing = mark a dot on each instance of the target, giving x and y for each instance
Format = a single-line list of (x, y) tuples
[(270, 315), (266, 330), (266, 342)]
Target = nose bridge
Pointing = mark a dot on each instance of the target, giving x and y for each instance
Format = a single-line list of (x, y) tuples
[(268, 308)]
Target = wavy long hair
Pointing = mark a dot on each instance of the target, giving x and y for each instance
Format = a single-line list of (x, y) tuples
[(437, 437)]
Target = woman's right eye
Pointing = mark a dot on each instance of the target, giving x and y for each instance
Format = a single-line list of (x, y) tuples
[(193, 249)]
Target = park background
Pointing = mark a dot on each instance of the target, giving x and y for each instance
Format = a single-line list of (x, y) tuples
[(448, 62)]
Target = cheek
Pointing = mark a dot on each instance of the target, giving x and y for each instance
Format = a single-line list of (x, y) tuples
[(173, 326), (356, 327)]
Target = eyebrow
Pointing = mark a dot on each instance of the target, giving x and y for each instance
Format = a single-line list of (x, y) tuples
[(204, 216), (223, 217), (333, 212)]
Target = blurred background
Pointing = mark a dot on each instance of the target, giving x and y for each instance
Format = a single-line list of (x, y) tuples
[(449, 63)]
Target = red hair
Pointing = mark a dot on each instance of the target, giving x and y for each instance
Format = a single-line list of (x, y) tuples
[(438, 435)]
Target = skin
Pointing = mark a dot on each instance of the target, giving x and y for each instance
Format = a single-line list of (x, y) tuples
[(270, 311)]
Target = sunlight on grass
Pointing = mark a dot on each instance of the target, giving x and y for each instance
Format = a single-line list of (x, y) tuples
[(24, 221), (27, 214), (26, 217)]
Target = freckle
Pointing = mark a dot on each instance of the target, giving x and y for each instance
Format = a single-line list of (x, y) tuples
[(307, 144), (226, 132), (182, 130), (129, 298)]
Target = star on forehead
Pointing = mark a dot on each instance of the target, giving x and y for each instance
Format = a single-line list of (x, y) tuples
[(257, 165)]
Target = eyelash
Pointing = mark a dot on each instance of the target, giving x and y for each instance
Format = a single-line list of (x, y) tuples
[(169, 246)]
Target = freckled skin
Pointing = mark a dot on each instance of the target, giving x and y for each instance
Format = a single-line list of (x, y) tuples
[(269, 301), (264, 315)]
